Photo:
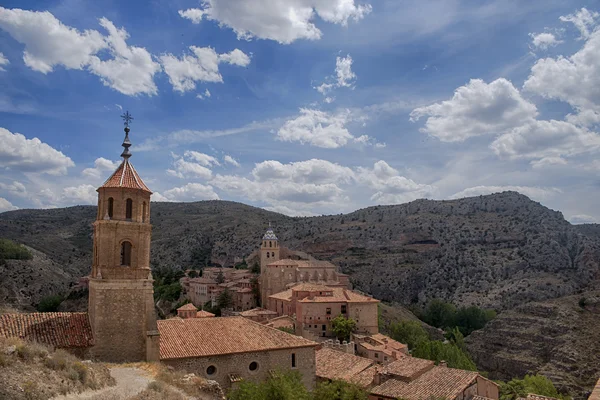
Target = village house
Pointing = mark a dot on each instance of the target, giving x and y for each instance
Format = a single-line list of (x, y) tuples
[(339, 365), (378, 347), (259, 314), (315, 305), (277, 275), (205, 289), (229, 349)]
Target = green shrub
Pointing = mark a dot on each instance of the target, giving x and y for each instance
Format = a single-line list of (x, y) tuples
[(287, 329), (82, 371), (410, 333), (438, 351), (342, 327), (339, 390), (445, 316), (535, 384), (280, 386), (10, 250), (50, 303)]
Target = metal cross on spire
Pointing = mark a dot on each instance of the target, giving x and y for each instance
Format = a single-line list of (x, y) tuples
[(127, 118)]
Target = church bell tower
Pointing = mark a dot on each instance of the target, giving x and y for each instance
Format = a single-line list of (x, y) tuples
[(121, 302), (269, 252)]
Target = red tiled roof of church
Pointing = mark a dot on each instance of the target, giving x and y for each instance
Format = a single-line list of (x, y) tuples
[(58, 329), (126, 177), (187, 307)]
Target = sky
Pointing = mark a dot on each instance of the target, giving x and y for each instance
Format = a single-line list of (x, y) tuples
[(303, 107)]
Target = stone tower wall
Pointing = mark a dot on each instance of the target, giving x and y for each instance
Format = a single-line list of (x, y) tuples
[(271, 247)]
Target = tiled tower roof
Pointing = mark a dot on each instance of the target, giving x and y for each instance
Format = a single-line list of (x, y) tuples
[(269, 234), (126, 177)]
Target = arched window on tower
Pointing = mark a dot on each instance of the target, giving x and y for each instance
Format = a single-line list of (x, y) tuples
[(273, 254), (126, 253), (267, 254), (144, 211), (128, 209), (270, 244), (111, 203)]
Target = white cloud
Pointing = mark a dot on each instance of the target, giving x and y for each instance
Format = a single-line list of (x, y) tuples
[(585, 118), (547, 162), (230, 160), (190, 192), (202, 65), (544, 40), (583, 219), (583, 20), (281, 20), (205, 95), (48, 42), (203, 159), (476, 109), (82, 194), (535, 193), (131, 70), (192, 165), (102, 167), (6, 205), (31, 155), (575, 79), (542, 139), (310, 171), (317, 128), (292, 212), (390, 186), (120, 107), (3, 62), (156, 196), (344, 77), (16, 188)]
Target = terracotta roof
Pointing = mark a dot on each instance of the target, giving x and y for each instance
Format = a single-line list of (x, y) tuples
[(255, 312), (596, 392), (340, 294), (285, 295), (201, 337), (333, 364), (55, 329), (365, 378), (532, 396), (202, 281), (408, 368), (126, 177), (187, 307), (204, 314), (480, 398), (244, 290), (311, 287), (384, 344), (439, 382), (284, 321)]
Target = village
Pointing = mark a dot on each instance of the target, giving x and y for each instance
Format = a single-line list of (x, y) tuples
[(289, 317)]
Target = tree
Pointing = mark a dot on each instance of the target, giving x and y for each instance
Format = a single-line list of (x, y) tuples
[(439, 314), (437, 351), (342, 327), (220, 278), (339, 390), (535, 384), (225, 299), (193, 274), (410, 333), (10, 250), (279, 386), (469, 319), (456, 337), (50, 303), (255, 268)]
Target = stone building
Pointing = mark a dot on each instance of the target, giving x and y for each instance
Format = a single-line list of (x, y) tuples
[(277, 275), (314, 306), (230, 349), (239, 282), (379, 348), (121, 303)]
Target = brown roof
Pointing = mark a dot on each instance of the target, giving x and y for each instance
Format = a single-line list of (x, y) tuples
[(439, 382), (365, 378), (255, 312), (532, 396), (283, 321), (285, 295), (126, 177), (202, 280), (408, 368), (204, 314), (301, 263), (596, 392), (311, 287), (187, 307), (55, 329), (340, 294), (333, 364), (201, 337)]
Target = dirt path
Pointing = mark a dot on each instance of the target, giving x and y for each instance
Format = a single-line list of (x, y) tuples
[(130, 381)]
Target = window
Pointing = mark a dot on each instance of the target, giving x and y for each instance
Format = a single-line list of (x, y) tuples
[(128, 209), (273, 254), (328, 311), (126, 253), (344, 309), (111, 203), (323, 327), (268, 254), (376, 355), (253, 366), (270, 245), (211, 370), (144, 212), (293, 360)]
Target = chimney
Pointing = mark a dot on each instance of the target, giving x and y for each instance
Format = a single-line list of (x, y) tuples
[(443, 363)]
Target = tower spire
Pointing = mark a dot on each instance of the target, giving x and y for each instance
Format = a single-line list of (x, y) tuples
[(127, 118)]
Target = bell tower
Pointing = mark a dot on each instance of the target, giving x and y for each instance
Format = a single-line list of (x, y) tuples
[(269, 252), (121, 302)]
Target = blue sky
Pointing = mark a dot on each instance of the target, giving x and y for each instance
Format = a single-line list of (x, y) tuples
[(304, 107)]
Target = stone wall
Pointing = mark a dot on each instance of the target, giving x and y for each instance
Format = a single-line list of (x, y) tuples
[(239, 364)]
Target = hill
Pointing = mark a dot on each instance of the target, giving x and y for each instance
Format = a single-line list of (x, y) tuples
[(498, 251)]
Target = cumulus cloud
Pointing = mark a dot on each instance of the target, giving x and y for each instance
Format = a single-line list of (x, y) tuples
[(201, 65), (15, 188), (189, 192), (201, 158), (102, 167), (547, 162), (31, 155), (3, 62), (82, 194), (230, 160), (292, 212), (281, 20), (476, 109), (584, 21), (585, 118), (543, 139), (536, 193), (344, 77), (310, 171), (544, 40), (583, 219), (6, 205), (189, 167), (574, 79), (204, 95)]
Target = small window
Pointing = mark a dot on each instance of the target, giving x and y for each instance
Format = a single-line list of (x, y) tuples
[(126, 253), (293, 360), (270, 245), (253, 366), (211, 370), (111, 203), (144, 211), (268, 254), (128, 209), (376, 355), (272, 254), (328, 311), (323, 327), (344, 309)]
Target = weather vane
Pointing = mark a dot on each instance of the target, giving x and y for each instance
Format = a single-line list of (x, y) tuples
[(127, 118)]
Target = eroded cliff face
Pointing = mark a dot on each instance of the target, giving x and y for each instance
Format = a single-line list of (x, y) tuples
[(558, 338)]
